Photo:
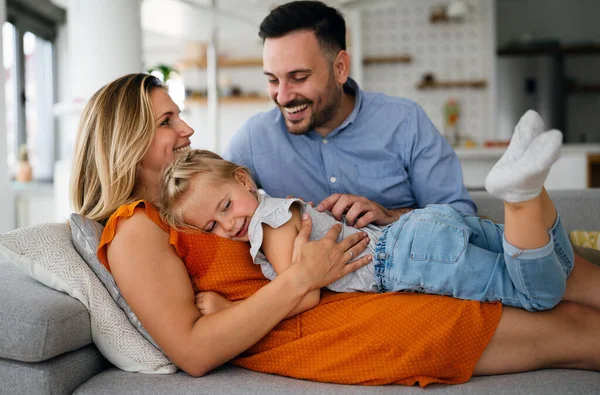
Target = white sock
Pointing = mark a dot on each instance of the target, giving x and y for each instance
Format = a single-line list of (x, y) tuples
[(524, 178), (528, 128)]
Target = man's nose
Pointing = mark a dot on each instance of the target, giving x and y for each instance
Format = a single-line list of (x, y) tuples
[(285, 94)]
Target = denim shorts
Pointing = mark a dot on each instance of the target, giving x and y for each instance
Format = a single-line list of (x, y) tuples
[(439, 250)]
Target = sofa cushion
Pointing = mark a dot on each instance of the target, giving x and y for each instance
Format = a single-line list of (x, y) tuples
[(86, 238), (60, 375), (36, 322), (234, 380), (46, 253)]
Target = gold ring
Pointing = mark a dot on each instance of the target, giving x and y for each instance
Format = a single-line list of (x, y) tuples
[(351, 254)]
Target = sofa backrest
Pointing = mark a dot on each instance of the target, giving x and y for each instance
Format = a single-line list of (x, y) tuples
[(579, 209)]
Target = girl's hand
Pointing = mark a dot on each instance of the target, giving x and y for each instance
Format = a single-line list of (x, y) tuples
[(211, 302), (319, 263)]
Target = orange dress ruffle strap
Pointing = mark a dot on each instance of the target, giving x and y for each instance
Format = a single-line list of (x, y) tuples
[(351, 338)]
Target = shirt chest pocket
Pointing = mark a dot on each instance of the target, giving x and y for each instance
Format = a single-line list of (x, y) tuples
[(385, 182)]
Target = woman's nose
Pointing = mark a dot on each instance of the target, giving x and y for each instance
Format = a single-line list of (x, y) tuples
[(185, 129)]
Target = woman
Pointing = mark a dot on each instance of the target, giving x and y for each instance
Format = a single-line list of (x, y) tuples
[(131, 129)]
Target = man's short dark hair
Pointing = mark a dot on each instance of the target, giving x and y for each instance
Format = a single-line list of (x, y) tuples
[(325, 22)]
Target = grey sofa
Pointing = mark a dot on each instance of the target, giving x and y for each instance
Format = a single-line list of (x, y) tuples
[(46, 345)]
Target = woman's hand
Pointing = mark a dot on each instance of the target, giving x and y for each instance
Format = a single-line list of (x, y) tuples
[(211, 302), (321, 262)]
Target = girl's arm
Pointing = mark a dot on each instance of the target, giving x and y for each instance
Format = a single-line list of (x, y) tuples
[(155, 283), (278, 246)]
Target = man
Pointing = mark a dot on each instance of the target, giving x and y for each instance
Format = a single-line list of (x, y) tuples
[(364, 154)]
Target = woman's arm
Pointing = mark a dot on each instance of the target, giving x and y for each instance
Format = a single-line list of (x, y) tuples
[(156, 285), (278, 246)]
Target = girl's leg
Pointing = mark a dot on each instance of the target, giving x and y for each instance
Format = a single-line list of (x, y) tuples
[(528, 212), (564, 337), (537, 257)]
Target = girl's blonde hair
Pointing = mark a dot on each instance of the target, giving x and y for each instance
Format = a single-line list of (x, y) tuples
[(177, 176), (115, 131)]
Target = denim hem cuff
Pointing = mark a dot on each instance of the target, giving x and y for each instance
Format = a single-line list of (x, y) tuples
[(535, 253)]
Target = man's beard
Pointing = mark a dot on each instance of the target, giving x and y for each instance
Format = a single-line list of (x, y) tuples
[(332, 103)]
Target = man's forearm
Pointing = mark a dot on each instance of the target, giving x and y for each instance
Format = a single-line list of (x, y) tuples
[(399, 211)]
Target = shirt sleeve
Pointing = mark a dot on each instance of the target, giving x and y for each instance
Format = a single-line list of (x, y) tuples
[(434, 169)]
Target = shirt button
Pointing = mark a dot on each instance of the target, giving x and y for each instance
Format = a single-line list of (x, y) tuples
[(333, 179), (325, 141)]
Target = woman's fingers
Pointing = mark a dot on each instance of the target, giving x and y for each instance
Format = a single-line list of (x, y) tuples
[(333, 233), (303, 236), (305, 229), (354, 241), (355, 250), (357, 264)]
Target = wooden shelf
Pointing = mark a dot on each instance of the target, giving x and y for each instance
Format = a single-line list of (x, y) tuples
[(478, 84), (224, 63), (583, 49), (229, 99), (585, 88), (387, 59), (257, 62)]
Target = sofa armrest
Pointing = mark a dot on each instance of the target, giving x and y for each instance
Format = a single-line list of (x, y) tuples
[(37, 322)]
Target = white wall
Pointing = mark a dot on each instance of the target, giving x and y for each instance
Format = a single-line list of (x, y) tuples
[(451, 51), (7, 214), (101, 41)]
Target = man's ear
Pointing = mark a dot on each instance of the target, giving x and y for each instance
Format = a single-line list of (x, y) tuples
[(341, 67)]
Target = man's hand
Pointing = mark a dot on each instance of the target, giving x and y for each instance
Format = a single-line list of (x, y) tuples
[(359, 210), (211, 302)]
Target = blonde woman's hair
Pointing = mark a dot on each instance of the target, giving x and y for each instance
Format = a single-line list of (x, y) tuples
[(115, 131), (176, 179)]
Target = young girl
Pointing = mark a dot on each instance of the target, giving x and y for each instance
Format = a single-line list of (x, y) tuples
[(436, 250)]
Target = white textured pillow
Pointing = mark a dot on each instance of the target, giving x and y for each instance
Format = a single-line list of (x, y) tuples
[(46, 253)]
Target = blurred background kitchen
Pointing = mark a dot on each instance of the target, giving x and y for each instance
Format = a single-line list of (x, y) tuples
[(474, 65)]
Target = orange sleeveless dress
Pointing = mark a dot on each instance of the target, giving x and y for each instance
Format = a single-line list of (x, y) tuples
[(349, 338)]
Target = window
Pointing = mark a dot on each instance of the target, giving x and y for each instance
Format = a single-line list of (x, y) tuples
[(29, 83)]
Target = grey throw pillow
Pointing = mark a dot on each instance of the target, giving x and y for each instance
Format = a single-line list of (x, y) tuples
[(86, 238), (46, 253)]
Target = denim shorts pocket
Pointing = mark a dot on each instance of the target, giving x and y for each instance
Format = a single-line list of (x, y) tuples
[(436, 241)]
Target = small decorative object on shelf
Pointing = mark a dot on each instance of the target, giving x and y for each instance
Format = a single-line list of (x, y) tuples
[(24, 171), (451, 118), (453, 11)]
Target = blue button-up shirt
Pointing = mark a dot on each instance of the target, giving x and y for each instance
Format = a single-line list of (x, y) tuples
[(387, 150)]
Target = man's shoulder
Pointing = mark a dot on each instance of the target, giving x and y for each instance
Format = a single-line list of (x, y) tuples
[(378, 99), (258, 130), (258, 123)]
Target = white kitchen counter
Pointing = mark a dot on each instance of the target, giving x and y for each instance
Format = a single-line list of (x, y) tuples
[(569, 172)]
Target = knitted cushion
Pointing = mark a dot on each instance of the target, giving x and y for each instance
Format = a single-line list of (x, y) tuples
[(86, 237), (46, 253)]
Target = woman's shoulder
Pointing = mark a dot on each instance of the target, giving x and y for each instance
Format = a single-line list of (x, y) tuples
[(130, 222)]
